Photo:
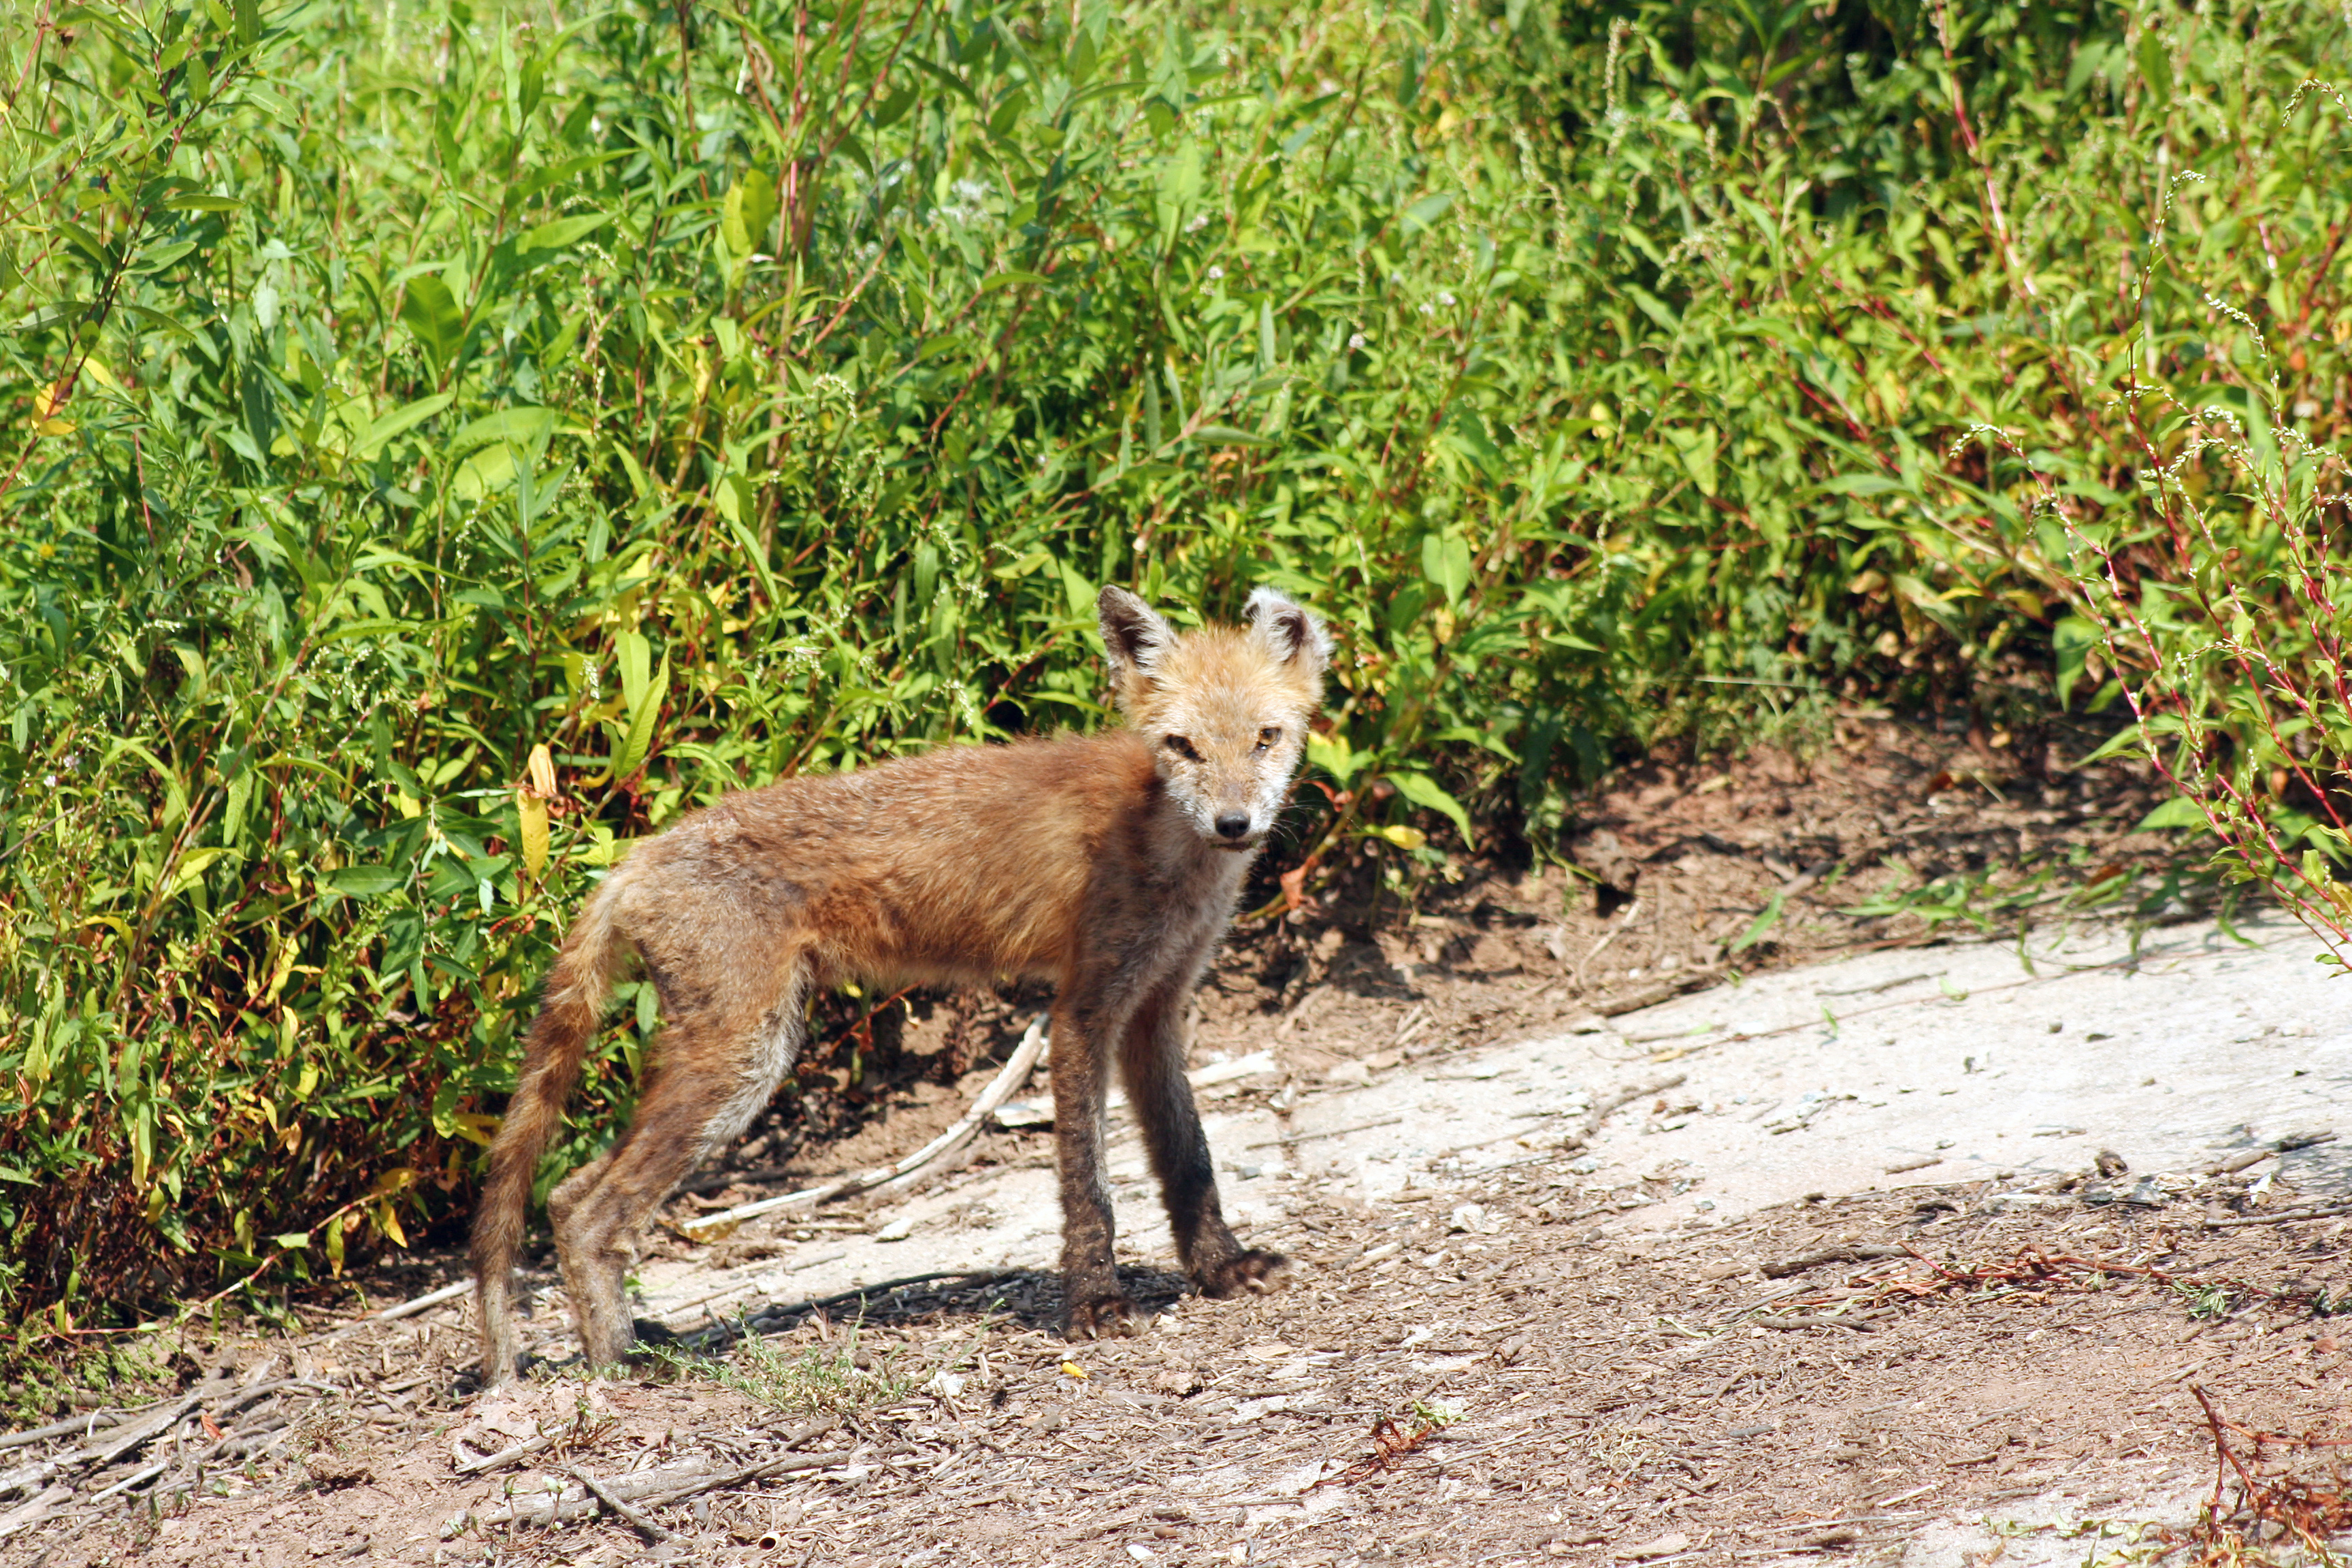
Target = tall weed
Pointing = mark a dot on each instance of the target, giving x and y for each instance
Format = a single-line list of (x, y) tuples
[(447, 443)]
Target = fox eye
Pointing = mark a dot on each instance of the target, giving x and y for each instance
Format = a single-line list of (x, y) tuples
[(1183, 748), (1267, 737)]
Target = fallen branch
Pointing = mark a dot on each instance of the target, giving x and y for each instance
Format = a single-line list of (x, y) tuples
[(395, 1312), (425, 1303), (1811, 1321), (504, 1457), (35, 1512), (125, 1438), (84, 1427), (647, 1488), (1015, 1072), (637, 1519), (127, 1482), (1651, 995), (2260, 1152), (2287, 1217), (1805, 1260)]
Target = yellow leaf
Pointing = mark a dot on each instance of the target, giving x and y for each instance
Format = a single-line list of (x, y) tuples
[(45, 405), (1405, 838), (388, 1222), (476, 1128), (1071, 1369), (280, 970), (542, 772), (54, 427), (531, 810)]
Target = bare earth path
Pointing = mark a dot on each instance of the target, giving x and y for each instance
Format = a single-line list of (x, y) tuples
[(1919, 1256)]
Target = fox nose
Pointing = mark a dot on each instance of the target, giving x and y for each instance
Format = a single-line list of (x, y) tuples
[(1233, 823)]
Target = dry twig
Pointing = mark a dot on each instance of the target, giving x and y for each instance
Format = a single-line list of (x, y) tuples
[(1000, 1089), (2269, 1508)]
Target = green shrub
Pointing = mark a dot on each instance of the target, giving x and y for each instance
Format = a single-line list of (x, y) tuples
[(705, 398)]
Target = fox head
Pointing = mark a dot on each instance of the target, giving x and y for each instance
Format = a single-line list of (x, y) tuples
[(1225, 708)]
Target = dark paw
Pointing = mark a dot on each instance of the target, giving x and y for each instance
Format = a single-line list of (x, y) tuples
[(1251, 1270), (1105, 1317), (649, 1343)]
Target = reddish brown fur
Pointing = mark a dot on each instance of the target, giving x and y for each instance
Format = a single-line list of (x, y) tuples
[(1108, 863)]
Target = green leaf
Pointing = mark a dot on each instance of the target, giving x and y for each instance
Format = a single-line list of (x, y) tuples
[(562, 232), (190, 869), (1333, 754), (363, 881), (1424, 790), (407, 416), (749, 214), (643, 713), (1446, 561), (2156, 67), (637, 661), (1426, 211), (524, 427), (2071, 642), (2180, 811), (1762, 924), (433, 315)]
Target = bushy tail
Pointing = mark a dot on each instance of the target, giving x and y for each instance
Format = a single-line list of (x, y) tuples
[(569, 1010)]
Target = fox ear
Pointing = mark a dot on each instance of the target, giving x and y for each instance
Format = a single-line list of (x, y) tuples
[(1288, 631), (1134, 637)]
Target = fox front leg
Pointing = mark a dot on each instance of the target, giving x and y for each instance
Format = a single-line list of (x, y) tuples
[(1153, 1060), (1093, 1306)]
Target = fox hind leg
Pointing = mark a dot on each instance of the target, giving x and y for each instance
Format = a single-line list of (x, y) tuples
[(715, 1072), (1152, 1061)]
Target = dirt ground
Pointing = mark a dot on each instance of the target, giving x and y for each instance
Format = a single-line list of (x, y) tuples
[(1485, 1367), (1811, 1382)]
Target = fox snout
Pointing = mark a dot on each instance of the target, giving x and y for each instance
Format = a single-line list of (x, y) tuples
[(1233, 825)]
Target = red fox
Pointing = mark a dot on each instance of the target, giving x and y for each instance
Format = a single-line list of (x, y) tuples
[(1108, 863)]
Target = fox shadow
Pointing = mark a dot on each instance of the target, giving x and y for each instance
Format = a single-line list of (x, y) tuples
[(1031, 1298)]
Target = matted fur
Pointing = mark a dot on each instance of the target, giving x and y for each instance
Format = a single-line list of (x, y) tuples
[(1108, 864)]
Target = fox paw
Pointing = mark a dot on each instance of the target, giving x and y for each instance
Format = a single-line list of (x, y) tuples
[(1105, 1317), (1251, 1270)]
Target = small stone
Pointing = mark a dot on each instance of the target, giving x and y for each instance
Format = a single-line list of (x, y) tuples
[(1472, 1219)]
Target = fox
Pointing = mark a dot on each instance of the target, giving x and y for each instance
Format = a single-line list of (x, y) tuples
[(1108, 864)]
